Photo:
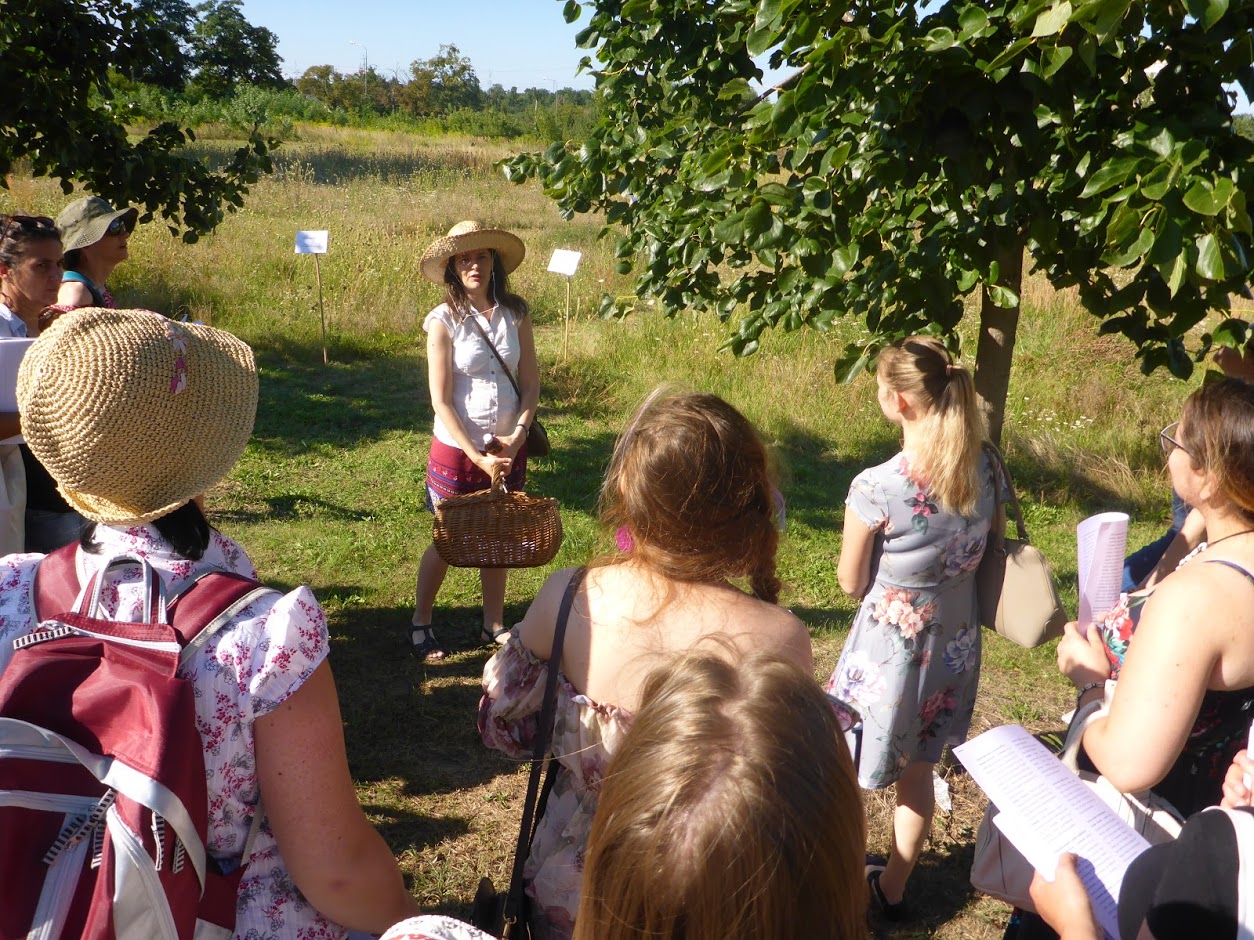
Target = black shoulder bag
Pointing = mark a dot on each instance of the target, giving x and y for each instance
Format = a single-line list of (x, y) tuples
[(537, 436), (505, 916)]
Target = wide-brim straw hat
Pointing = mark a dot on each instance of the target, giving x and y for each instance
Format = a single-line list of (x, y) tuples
[(471, 236), (134, 414), (85, 221)]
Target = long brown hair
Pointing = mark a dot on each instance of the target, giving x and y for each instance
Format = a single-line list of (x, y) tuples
[(498, 290), (1217, 432), (730, 812), (691, 480), (948, 457)]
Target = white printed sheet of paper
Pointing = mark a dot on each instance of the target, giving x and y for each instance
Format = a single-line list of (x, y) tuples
[(312, 242), (1045, 810), (565, 261), (1101, 543), (12, 350)]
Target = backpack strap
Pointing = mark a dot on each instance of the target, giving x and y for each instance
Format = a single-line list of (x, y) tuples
[(207, 605), (55, 587)]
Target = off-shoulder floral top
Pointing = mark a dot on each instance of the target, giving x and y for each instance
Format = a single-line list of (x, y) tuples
[(585, 735)]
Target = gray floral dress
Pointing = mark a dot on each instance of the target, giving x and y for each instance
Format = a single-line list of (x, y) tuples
[(912, 661)]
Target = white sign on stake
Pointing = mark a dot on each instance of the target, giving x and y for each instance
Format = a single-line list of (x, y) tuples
[(311, 243), (565, 261)]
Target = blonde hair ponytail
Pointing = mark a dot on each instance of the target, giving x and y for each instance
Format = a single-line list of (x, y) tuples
[(948, 457)]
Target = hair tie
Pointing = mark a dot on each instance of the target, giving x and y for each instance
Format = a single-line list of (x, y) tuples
[(949, 369)]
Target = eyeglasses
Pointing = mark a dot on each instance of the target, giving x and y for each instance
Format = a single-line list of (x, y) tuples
[(26, 221), (1167, 439), (850, 720), (117, 226)]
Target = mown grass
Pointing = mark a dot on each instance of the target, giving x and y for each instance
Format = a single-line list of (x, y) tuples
[(329, 492)]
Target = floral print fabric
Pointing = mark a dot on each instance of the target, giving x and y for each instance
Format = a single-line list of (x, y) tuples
[(242, 673), (432, 927), (912, 661), (585, 735)]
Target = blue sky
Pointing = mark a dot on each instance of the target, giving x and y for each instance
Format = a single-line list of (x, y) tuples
[(525, 43)]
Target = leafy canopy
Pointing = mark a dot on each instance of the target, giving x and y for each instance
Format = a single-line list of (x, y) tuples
[(912, 152), (55, 57)]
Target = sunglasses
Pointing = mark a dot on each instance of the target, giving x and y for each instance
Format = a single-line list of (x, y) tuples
[(850, 720), (117, 226), (38, 222), (1167, 439)]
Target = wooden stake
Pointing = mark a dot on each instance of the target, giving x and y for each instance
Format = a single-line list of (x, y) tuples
[(321, 315), (566, 332)]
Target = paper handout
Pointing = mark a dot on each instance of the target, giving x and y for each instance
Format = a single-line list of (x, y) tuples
[(1101, 544), (1046, 810), (11, 353)]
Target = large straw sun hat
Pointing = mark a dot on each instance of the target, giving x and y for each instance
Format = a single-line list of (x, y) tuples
[(134, 414), (470, 236)]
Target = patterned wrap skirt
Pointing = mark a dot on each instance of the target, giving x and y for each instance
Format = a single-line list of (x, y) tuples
[(450, 473)]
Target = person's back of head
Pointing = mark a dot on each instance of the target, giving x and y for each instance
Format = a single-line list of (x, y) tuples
[(730, 812), (921, 367), (1217, 432), (691, 481)]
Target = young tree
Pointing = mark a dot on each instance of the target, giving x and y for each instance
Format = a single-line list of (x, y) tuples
[(228, 51), (54, 61), (912, 159), (443, 83)]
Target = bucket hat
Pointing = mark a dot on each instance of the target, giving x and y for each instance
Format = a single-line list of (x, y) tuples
[(134, 414), (470, 236), (85, 221)]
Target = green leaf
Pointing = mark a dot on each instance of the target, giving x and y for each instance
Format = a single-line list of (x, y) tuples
[(570, 12), (1052, 20), (1055, 58), (1003, 297), (1204, 199), (1210, 260), (939, 39), (1208, 12), (1142, 244), (1110, 175), (972, 20)]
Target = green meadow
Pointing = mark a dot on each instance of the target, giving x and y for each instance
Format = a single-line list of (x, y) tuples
[(330, 490)]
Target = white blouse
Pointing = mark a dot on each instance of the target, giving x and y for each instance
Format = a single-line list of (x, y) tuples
[(483, 398)]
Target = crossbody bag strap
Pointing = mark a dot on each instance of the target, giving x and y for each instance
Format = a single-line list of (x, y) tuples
[(492, 346), (540, 758), (1000, 472)]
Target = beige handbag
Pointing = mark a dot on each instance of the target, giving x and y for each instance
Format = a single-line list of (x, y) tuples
[(1014, 584), (998, 869)]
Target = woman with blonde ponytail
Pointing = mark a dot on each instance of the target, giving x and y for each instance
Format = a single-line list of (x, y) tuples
[(915, 529)]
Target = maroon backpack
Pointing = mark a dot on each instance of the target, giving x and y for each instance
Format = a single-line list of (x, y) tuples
[(103, 804)]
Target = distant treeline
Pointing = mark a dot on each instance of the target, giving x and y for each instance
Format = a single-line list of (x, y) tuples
[(437, 95)]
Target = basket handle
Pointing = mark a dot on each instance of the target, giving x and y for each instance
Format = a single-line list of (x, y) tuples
[(498, 480)]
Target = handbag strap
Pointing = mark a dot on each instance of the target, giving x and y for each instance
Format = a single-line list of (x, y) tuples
[(492, 346), (1000, 472), (544, 736)]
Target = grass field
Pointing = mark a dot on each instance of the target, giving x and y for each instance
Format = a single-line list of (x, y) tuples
[(329, 492)]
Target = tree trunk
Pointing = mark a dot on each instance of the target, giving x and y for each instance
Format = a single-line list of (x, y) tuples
[(997, 338)]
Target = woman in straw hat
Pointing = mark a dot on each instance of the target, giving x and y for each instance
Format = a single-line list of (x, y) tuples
[(481, 369), (135, 415), (95, 239)]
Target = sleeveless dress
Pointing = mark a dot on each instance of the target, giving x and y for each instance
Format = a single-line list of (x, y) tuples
[(1221, 728), (585, 735), (911, 664)]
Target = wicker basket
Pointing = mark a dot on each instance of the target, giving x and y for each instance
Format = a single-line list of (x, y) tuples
[(496, 529)]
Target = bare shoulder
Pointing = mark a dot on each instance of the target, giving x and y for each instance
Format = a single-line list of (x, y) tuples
[(769, 626), (535, 630), (74, 294)]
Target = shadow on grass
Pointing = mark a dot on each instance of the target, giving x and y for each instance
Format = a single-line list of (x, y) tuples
[(405, 719)]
